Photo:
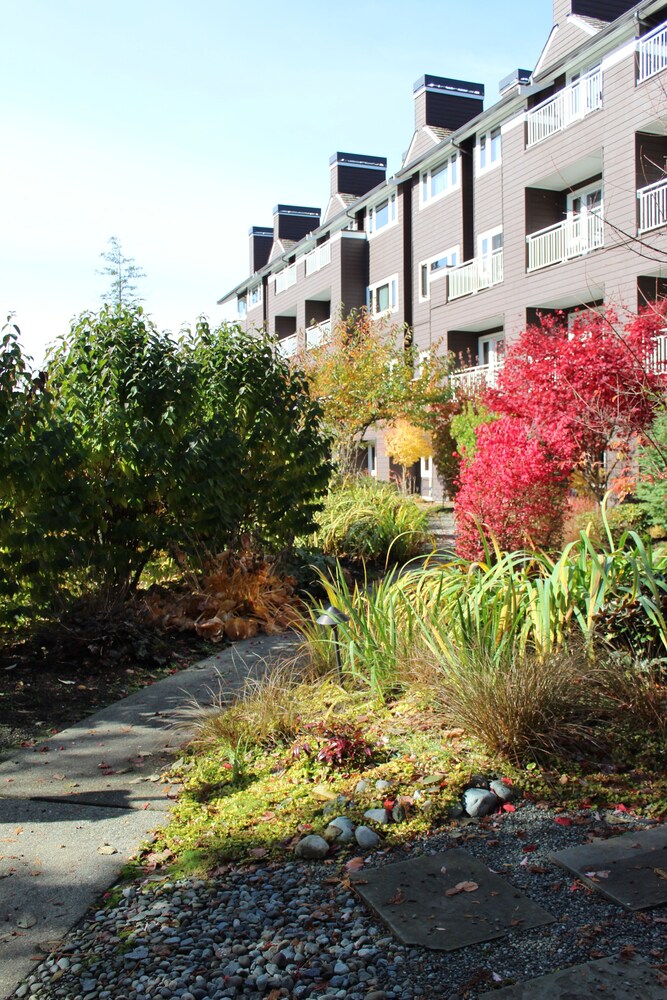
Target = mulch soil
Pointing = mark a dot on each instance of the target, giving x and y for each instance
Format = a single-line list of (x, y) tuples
[(61, 672)]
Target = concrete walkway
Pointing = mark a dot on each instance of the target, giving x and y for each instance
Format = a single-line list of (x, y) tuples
[(75, 808)]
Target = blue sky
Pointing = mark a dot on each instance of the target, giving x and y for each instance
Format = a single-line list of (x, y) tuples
[(174, 125)]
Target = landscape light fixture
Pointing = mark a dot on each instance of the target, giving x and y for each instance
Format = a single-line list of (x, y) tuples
[(332, 617)]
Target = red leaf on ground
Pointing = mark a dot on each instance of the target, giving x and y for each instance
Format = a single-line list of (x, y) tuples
[(563, 821), (507, 781), (529, 848), (621, 809), (508, 807), (389, 804)]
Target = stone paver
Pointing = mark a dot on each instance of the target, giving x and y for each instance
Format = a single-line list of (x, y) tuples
[(630, 870), (411, 897), (95, 788), (608, 978)]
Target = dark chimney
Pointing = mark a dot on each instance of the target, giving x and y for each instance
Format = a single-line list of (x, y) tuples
[(603, 10), (356, 174), (261, 241), (517, 78), (293, 222), (446, 103)]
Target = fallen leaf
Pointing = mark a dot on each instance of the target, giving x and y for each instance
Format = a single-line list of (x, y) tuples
[(354, 864), (627, 952), (660, 872), (508, 807), (461, 887), (26, 920), (529, 848), (397, 898), (107, 849), (563, 820), (603, 874)]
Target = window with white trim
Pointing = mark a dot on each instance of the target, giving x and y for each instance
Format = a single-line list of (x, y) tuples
[(434, 268), (383, 296), (242, 306), (491, 350), (254, 296), (439, 180), (382, 214), (489, 150), (490, 242)]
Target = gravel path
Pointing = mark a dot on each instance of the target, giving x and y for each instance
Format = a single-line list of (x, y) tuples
[(296, 929)]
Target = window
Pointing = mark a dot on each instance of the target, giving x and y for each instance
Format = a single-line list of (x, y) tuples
[(585, 201), (490, 350), (489, 146), (433, 268), (440, 180), (490, 242), (242, 306), (371, 459), (383, 297), (383, 214), (254, 296)]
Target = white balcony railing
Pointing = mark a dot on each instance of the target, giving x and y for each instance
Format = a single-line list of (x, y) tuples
[(286, 278), (317, 334), (567, 106), (318, 258), (652, 53), (658, 361), (652, 206), (475, 275), (571, 238), (288, 346), (477, 377)]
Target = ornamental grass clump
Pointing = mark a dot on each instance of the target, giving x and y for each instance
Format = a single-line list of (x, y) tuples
[(364, 519)]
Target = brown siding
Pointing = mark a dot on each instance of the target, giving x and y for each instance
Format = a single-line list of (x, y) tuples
[(543, 208), (353, 273)]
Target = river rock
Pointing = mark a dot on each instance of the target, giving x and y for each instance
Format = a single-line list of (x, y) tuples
[(380, 816), (366, 837), (382, 785), (506, 793), (479, 802), (346, 827), (478, 781), (312, 847)]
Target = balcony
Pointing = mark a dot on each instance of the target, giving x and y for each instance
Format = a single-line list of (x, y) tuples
[(475, 275), (652, 53), (479, 377), (575, 236), (566, 107), (286, 278), (652, 206), (318, 258), (658, 360), (288, 346), (317, 334)]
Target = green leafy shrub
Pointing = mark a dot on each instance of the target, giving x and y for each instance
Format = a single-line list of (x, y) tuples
[(132, 443), (364, 519), (652, 479)]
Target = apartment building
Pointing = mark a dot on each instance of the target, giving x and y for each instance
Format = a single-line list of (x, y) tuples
[(552, 198)]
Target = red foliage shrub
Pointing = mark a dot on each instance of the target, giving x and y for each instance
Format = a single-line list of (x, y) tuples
[(585, 391), (513, 488)]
